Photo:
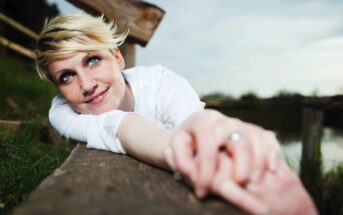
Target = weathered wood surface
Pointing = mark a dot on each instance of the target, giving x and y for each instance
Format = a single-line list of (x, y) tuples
[(311, 140), (18, 26), (140, 17), (16, 47), (100, 182), (128, 51)]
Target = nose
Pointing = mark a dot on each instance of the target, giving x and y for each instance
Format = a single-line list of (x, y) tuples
[(88, 84)]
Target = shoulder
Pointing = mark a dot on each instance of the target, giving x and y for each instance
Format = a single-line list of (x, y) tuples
[(146, 74), (145, 70)]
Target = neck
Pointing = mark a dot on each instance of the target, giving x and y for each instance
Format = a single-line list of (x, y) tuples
[(128, 104)]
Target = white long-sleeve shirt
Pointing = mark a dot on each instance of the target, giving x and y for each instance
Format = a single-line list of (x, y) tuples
[(160, 95)]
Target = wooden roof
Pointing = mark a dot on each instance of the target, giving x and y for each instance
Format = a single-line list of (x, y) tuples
[(140, 17)]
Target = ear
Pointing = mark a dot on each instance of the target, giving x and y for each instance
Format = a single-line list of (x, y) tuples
[(119, 58)]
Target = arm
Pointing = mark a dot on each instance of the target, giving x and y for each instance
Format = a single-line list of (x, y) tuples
[(144, 139), (261, 197), (98, 131), (176, 99), (114, 131)]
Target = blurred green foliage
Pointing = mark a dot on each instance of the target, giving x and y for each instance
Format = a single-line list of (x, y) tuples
[(25, 160), (30, 152), (24, 95)]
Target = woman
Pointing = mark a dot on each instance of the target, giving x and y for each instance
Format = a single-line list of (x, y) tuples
[(122, 111)]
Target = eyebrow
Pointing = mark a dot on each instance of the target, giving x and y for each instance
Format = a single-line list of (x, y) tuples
[(83, 61)]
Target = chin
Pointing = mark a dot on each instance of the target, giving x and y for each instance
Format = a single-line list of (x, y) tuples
[(95, 109)]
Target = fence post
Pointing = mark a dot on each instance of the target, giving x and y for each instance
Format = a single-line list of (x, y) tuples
[(129, 53), (2, 27), (311, 160)]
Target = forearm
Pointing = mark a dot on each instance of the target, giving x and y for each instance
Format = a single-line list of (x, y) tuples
[(144, 139)]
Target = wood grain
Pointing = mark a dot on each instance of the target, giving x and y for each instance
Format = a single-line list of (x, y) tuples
[(100, 182)]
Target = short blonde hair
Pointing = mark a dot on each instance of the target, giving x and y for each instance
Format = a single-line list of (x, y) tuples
[(67, 34)]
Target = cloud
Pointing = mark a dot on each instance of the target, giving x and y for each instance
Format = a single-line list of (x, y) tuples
[(237, 46)]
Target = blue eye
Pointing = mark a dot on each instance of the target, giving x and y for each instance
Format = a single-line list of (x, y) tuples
[(65, 77), (92, 60)]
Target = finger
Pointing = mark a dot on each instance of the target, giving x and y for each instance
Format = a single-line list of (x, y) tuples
[(224, 170), (273, 149), (183, 155), (285, 174), (241, 155), (242, 198), (201, 126), (207, 158), (265, 152), (258, 157)]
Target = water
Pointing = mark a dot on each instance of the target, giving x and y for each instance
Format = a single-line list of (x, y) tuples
[(332, 150)]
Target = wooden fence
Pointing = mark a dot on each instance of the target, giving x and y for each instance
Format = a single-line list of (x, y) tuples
[(312, 126), (11, 44)]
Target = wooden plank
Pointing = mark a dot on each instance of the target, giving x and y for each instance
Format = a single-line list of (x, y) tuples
[(16, 47), (128, 51), (11, 122), (101, 182), (11, 125), (140, 17), (18, 26)]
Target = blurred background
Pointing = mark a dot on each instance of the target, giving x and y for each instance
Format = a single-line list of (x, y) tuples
[(261, 61)]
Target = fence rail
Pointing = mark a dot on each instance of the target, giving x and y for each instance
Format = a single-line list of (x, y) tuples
[(13, 45), (16, 47), (18, 26)]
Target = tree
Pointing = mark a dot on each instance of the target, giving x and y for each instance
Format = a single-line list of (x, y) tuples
[(249, 97)]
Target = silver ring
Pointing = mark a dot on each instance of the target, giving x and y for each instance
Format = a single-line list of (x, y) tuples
[(235, 136), (177, 176)]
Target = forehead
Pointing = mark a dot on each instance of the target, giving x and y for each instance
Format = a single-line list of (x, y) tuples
[(66, 61), (73, 60)]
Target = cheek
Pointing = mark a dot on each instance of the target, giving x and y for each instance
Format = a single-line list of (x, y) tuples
[(113, 76), (70, 93)]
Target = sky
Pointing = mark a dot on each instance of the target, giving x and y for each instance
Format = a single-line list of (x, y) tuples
[(261, 46)]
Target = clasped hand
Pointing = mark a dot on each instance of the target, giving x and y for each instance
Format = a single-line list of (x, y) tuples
[(246, 169)]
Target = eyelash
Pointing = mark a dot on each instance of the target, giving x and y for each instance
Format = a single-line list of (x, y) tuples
[(93, 58), (88, 61), (63, 76)]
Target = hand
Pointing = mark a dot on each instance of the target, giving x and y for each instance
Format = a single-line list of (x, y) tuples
[(283, 191), (224, 186), (277, 192), (195, 147)]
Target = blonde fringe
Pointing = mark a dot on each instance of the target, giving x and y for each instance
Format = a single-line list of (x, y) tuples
[(78, 32)]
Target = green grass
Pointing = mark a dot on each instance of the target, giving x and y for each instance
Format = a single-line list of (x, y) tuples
[(25, 160), (23, 95), (327, 192), (31, 152)]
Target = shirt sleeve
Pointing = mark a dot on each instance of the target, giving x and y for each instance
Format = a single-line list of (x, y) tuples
[(98, 131), (176, 99)]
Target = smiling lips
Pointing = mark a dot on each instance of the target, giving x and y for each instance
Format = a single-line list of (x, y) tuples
[(98, 98)]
